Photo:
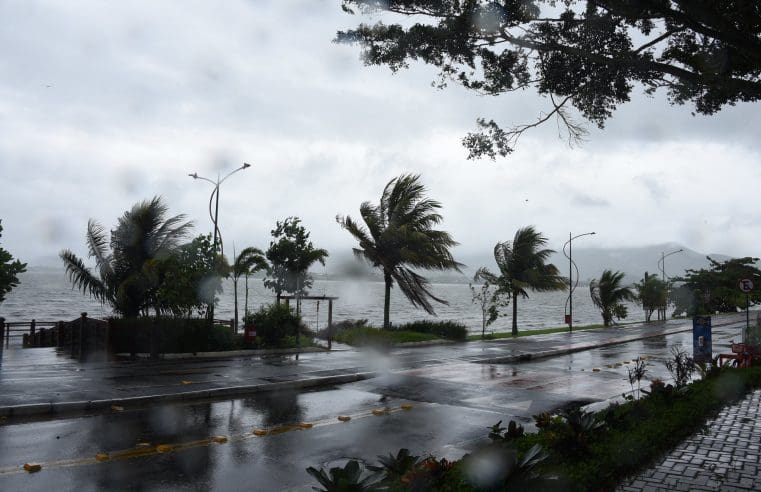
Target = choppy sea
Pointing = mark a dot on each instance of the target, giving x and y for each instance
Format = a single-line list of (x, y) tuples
[(45, 294)]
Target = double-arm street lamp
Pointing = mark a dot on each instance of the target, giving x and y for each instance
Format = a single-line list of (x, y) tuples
[(571, 265), (662, 262), (662, 268), (214, 215)]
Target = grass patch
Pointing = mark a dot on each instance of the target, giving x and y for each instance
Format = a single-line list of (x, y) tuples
[(367, 335), (451, 330), (528, 333)]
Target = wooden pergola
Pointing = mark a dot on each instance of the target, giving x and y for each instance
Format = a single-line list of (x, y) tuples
[(330, 300)]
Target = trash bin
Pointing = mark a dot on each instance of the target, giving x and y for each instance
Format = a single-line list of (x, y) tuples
[(249, 334), (701, 339)]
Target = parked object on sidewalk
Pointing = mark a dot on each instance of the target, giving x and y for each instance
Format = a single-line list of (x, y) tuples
[(743, 355)]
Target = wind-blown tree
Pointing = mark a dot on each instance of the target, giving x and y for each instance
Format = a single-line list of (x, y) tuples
[(247, 262), (652, 294), (290, 254), (400, 237), (523, 266), (714, 289), (191, 278), (9, 270), (581, 54), (489, 301), (127, 274), (609, 295)]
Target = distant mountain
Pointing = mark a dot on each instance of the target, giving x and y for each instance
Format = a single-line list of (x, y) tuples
[(634, 262)]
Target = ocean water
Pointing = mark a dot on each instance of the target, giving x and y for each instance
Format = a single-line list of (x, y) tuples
[(47, 295)]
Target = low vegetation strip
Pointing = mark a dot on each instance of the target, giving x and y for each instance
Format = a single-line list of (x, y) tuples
[(367, 335), (572, 450), (359, 332)]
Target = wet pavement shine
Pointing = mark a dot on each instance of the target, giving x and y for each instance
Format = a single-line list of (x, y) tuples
[(266, 441)]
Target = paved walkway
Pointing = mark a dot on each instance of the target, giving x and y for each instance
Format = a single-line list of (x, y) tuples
[(724, 458), (42, 381)]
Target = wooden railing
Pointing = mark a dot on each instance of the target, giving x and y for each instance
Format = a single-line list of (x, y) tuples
[(83, 337), (25, 330)]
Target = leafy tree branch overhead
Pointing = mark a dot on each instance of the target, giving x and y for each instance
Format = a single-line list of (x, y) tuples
[(582, 54)]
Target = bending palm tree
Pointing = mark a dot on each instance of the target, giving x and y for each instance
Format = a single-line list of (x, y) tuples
[(248, 262), (400, 237), (522, 267), (608, 296), (126, 277)]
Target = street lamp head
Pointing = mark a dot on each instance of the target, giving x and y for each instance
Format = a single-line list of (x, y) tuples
[(246, 165), (194, 175)]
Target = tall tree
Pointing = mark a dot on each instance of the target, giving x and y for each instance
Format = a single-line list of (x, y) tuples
[(290, 254), (247, 262), (191, 278), (400, 237), (714, 289), (585, 54), (609, 295), (127, 275), (652, 294), (523, 266), (9, 270)]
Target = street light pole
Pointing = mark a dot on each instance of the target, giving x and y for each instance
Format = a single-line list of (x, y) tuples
[(662, 268), (214, 197), (571, 264)]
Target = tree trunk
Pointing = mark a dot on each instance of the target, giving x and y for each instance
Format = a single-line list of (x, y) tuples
[(515, 314), (386, 299)]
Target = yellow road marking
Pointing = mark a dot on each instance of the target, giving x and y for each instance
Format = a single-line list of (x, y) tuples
[(143, 449)]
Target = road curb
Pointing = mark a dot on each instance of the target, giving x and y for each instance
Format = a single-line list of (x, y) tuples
[(73, 407), (225, 353), (564, 351), (525, 357)]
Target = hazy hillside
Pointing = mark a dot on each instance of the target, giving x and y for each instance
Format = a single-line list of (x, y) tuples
[(634, 262)]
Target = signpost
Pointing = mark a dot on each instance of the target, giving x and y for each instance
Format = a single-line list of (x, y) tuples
[(701, 339), (746, 285)]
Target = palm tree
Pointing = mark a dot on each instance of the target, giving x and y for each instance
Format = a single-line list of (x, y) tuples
[(399, 237), (127, 274), (522, 267), (248, 262), (608, 296)]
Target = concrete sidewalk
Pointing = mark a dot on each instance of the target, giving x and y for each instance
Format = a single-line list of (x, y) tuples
[(44, 382)]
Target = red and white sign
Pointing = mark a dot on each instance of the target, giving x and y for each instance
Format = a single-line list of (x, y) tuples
[(745, 284)]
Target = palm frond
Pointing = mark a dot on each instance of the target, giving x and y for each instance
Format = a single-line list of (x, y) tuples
[(416, 289), (81, 276), (97, 245)]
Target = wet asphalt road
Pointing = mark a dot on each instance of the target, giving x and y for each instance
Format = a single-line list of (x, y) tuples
[(454, 401)]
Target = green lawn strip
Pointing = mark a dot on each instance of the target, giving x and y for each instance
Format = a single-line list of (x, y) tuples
[(529, 333), (638, 433), (367, 335)]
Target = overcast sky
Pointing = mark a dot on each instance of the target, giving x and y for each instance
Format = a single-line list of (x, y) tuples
[(103, 104)]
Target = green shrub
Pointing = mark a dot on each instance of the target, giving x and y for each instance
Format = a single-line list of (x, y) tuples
[(170, 335), (273, 324), (451, 330), (368, 335)]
